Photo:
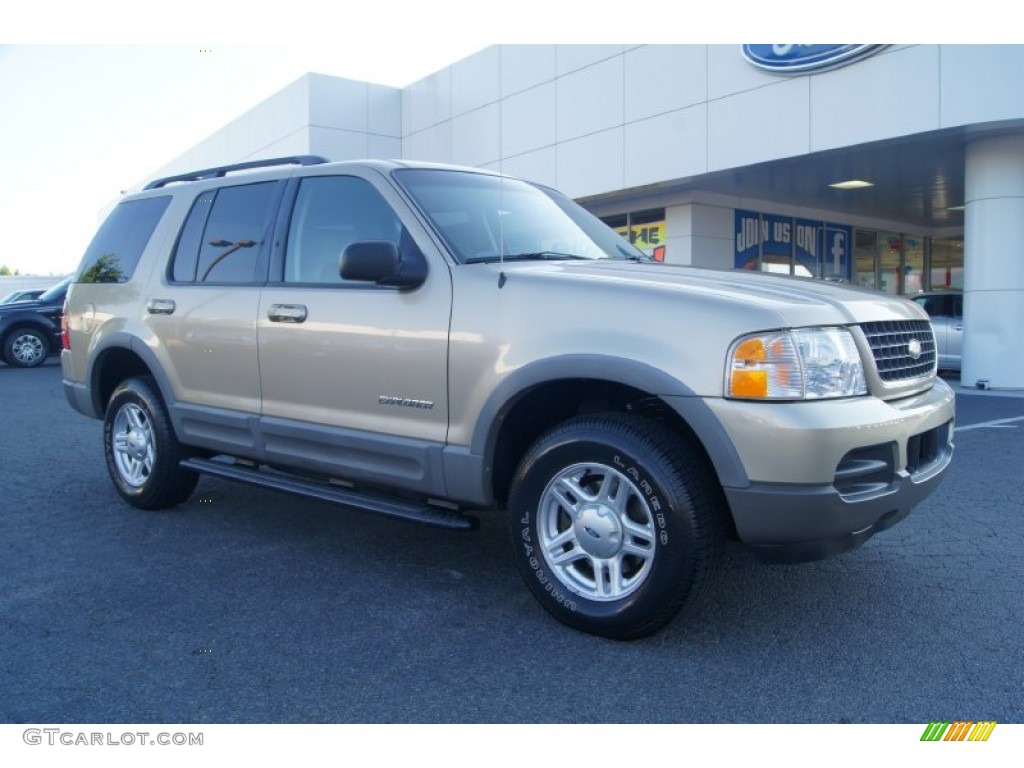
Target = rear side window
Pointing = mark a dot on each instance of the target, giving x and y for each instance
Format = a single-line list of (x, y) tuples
[(117, 247), (224, 234)]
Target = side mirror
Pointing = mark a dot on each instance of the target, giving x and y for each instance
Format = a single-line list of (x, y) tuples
[(379, 261)]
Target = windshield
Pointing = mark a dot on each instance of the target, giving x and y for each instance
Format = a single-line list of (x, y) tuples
[(491, 218)]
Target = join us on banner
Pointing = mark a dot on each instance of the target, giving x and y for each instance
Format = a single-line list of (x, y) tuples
[(813, 248)]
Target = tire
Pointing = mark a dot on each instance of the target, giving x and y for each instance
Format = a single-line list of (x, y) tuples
[(142, 450), (617, 523), (26, 348)]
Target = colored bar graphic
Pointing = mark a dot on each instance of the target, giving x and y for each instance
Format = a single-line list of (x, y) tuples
[(982, 731), (959, 730)]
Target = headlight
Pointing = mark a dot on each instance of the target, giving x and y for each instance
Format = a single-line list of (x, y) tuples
[(801, 364)]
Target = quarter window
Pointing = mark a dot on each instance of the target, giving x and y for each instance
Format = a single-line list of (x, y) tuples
[(118, 245)]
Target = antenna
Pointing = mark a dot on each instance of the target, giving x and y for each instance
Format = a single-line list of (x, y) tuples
[(501, 235)]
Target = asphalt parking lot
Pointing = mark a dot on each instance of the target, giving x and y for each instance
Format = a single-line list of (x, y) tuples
[(245, 606)]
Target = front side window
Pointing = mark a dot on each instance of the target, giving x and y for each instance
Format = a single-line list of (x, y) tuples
[(118, 245), (485, 218), (223, 235), (331, 213)]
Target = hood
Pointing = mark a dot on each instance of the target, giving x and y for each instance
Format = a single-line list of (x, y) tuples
[(790, 301), (21, 306)]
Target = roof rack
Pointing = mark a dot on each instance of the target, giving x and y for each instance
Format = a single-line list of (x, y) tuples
[(219, 171)]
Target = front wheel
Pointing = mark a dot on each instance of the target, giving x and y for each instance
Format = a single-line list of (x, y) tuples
[(141, 449), (617, 524)]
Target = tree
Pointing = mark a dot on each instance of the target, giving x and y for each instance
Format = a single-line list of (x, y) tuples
[(106, 269)]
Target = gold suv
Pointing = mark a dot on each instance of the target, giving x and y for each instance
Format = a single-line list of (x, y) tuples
[(422, 341)]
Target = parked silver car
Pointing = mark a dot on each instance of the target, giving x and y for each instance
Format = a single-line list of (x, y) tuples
[(946, 312)]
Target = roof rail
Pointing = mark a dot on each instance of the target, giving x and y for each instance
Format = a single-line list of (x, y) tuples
[(219, 171)]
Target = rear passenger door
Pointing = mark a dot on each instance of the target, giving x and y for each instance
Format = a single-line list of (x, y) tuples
[(354, 375), (203, 313)]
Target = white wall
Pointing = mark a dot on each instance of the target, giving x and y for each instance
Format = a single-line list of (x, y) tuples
[(317, 114), (592, 119)]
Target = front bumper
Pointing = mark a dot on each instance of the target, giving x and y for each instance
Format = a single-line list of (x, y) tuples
[(823, 477)]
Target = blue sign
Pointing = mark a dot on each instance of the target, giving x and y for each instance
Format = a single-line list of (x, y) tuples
[(836, 253), (772, 233), (803, 247), (790, 59)]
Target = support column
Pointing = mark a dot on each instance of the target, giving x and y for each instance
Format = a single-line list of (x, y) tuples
[(994, 263), (700, 235)]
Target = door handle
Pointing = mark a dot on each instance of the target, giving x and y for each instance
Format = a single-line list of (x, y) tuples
[(958, 327), (160, 307), (287, 313)]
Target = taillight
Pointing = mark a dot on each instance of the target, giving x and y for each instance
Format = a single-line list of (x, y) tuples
[(65, 338)]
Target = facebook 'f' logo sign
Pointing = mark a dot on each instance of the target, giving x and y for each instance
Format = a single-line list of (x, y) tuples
[(837, 252)]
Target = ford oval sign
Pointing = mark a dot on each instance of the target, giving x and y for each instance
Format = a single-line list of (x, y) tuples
[(791, 59)]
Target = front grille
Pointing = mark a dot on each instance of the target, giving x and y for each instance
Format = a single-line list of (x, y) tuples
[(890, 344)]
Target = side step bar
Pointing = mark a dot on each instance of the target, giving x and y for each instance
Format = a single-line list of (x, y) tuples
[(368, 502)]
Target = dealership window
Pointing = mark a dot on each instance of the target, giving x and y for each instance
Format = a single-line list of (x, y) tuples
[(907, 264), (947, 264), (913, 264), (890, 246), (865, 256), (644, 229)]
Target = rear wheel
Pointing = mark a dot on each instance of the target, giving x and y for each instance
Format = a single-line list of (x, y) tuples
[(26, 348), (141, 449), (617, 524)]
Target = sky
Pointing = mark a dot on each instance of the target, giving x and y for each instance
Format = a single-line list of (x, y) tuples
[(94, 98), (83, 122)]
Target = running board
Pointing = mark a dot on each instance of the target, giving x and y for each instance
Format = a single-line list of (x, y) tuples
[(383, 505)]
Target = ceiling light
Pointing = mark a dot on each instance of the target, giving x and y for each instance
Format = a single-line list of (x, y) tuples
[(851, 184)]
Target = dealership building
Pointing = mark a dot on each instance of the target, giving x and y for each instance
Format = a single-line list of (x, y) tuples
[(895, 167)]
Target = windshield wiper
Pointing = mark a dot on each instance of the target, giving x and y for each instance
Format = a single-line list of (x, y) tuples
[(535, 256), (632, 255)]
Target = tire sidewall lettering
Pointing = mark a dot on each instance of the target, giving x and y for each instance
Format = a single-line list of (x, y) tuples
[(550, 585), (647, 488)]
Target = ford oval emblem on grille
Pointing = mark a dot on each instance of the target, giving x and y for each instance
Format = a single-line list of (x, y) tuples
[(914, 349)]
